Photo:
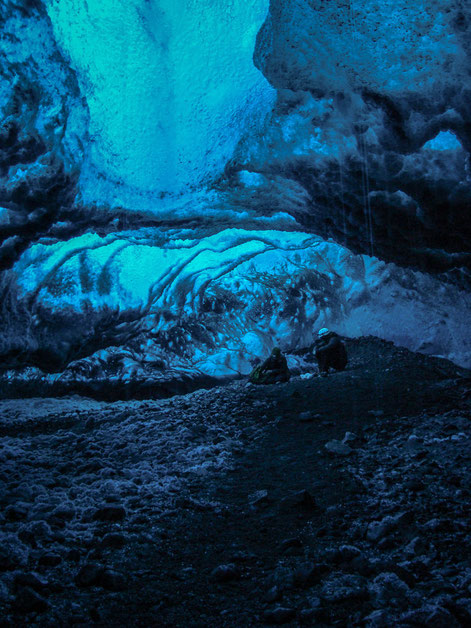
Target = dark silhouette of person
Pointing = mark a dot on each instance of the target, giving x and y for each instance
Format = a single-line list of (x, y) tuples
[(273, 371), (330, 351)]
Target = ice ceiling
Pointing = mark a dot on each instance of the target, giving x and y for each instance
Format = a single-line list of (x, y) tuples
[(169, 85), (185, 184)]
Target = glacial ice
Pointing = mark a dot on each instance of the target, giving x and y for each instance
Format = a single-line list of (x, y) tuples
[(37, 89), (170, 86), (186, 184), (445, 140), (224, 300)]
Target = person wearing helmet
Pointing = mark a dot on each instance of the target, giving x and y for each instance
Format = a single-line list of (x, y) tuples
[(330, 351), (272, 371)]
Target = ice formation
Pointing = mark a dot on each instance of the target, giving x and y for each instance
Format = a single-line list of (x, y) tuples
[(185, 184), (170, 85)]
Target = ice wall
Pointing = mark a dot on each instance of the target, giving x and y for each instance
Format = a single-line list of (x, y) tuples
[(363, 87), (345, 202), (39, 94), (390, 47), (221, 301), (43, 133), (170, 85)]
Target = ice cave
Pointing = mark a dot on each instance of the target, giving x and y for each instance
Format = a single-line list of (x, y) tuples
[(186, 185), (161, 159)]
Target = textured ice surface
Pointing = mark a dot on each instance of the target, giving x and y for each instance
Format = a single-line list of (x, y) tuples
[(38, 91), (222, 301), (445, 140), (364, 156), (170, 85), (373, 99), (392, 46)]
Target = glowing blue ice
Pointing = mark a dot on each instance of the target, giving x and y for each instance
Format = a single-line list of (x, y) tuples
[(273, 287), (445, 140), (174, 95), (170, 85)]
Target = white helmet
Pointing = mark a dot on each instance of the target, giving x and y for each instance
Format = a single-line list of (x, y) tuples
[(322, 332)]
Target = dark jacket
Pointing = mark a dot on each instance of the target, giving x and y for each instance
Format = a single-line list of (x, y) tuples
[(275, 363), (331, 352), (273, 370)]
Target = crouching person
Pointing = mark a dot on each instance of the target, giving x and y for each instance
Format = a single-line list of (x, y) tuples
[(330, 351), (273, 371)]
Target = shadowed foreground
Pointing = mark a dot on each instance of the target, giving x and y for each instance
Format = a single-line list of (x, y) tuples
[(225, 507)]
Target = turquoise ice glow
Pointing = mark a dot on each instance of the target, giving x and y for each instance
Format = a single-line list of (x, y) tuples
[(277, 288), (170, 85), (170, 115), (445, 140)]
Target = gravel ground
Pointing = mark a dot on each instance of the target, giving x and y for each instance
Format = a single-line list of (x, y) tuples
[(324, 501)]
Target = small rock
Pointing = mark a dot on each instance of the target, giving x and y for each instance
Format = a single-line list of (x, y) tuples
[(357, 530), (338, 448), (89, 575), (242, 556), (279, 615), (437, 525), (377, 619), (430, 616), (379, 529), (416, 547), (311, 616), (115, 540), (281, 577), (65, 512), (273, 595), (288, 545), (306, 417), (16, 512), (225, 573), (28, 601), (259, 498), (302, 500), (350, 438), (110, 512), (387, 543), (388, 590), (30, 579), (441, 618), (49, 559), (13, 554), (308, 574), (413, 445), (40, 530), (348, 552), (112, 580), (4, 595), (344, 587)]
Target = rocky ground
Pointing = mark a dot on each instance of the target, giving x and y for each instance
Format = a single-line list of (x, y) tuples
[(325, 501)]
